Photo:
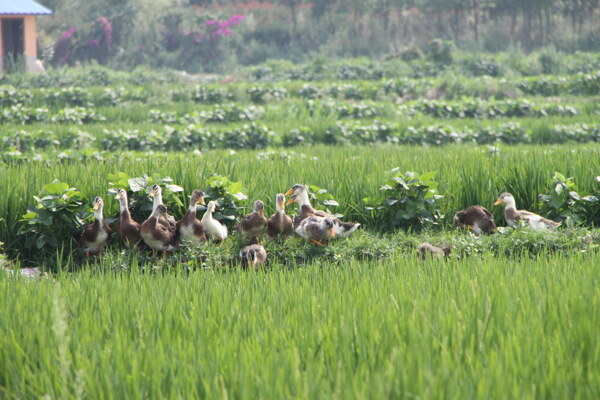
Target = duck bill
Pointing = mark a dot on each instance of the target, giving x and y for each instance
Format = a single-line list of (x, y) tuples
[(331, 232), (499, 201), (96, 206), (291, 191), (282, 205), (290, 201), (118, 196), (152, 193), (201, 201)]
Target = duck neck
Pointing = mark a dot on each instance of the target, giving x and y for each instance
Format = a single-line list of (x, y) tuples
[(192, 205), (98, 215), (302, 199), (510, 203), (207, 215), (157, 200), (123, 205)]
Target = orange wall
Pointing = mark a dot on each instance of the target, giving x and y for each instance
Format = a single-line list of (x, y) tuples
[(30, 34)]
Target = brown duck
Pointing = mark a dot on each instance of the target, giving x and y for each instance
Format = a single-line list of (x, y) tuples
[(476, 218), (253, 254), (253, 224), (280, 225), (190, 228), (316, 229), (126, 227), (300, 197), (156, 195), (425, 250), (95, 236), (156, 235), (513, 216)]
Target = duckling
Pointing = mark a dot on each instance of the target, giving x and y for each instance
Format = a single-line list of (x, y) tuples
[(513, 216), (342, 229), (95, 236), (477, 218), (426, 249), (157, 236), (166, 220), (280, 225), (253, 224), (253, 254), (211, 226), (126, 227), (316, 229), (189, 227)]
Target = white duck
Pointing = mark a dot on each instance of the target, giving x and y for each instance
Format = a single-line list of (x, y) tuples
[(212, 227), (513, 216)]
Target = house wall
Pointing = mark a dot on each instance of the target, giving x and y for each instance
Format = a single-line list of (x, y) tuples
[(29, 41)]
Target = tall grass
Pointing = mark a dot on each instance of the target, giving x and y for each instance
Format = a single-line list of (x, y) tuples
[(467, 174), (403, 329)]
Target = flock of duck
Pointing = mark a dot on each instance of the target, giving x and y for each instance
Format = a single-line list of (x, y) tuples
[(161, 233)]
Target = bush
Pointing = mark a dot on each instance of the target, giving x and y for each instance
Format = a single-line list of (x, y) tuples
[(440, 51), (407, 200), (58, 214), (564, 203)]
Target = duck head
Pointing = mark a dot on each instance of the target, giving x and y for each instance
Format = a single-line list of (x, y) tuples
[(328, 224), (259, 207), (280, 202), (506, 198), (197, 197), (160, 211), (97, 207)]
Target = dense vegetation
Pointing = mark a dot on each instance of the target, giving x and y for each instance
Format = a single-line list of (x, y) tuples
[(209, 35), (397, 146)]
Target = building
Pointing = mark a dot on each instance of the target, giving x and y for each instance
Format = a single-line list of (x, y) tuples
[(18, 33)]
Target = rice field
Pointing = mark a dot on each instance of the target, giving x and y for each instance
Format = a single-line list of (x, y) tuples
[(511, 315)]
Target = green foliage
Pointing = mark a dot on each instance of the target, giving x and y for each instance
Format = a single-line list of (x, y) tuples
[(564, 203), (139, 188), (440, 51), (230, 198), (410, 201), (57, 215)]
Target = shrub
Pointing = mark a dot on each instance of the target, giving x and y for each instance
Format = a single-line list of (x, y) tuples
[(230, 198), (440, 51), (407, 200), (563, 203), (56, 216)]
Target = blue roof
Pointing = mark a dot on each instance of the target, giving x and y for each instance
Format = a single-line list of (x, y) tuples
[(22, 7)]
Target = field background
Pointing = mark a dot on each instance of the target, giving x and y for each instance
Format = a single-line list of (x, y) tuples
[(512, 315)]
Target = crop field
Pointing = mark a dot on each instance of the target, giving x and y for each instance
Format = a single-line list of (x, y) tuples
[(509, 315)]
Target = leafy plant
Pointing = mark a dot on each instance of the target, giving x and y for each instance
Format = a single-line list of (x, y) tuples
[(230, 198), (57, 215), (138, 189), (407, 200), (563, 203)]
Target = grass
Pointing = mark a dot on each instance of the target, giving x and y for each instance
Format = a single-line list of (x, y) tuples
[(397, 329)]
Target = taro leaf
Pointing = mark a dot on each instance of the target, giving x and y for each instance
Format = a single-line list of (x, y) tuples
[(137, 184), (591, 199), (240, 196), (331, 203), (559, 189), (56, 187), (574, 195), (174, 188), (559, 176), (235, 187)]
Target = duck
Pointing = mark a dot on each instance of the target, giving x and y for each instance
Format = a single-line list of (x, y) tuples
[(280, 225), (476, 218), (212, 227), (156, 235), (299, 194), (342, 229), (426, 249), (253, 224), (513, 216), (189, 227), (316, 229), (253, 254), (95, 236), (156, 195), (127, 229)]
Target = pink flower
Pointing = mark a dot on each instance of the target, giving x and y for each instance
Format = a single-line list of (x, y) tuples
[(212, 22), (69, 33)]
